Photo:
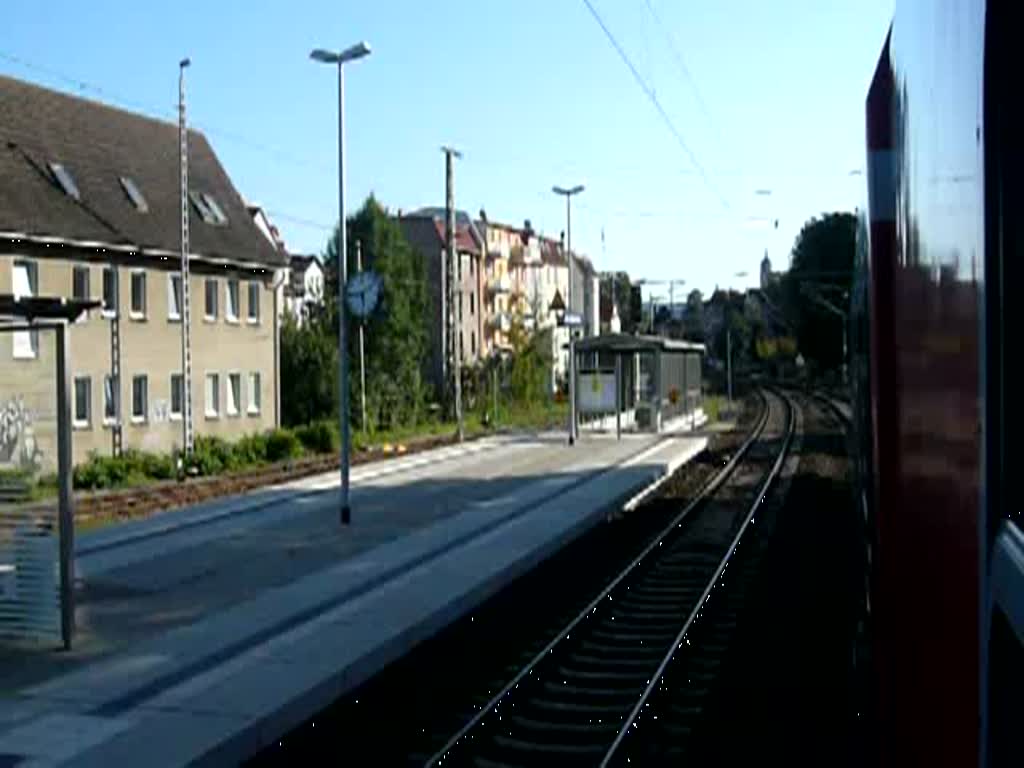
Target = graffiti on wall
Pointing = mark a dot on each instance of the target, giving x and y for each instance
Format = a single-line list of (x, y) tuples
[(160, 411), (18, 444)]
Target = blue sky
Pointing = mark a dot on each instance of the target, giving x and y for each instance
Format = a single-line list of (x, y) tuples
[(531, 91)]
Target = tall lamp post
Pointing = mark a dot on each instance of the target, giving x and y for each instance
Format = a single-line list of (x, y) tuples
[(569, 314), (357, 51)]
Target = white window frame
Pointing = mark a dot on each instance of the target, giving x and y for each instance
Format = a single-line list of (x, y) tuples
[(174, 415), (109, 420), (229, 393), (211, 413), (85, 423), (248, 301), (207, 282), (231, 308), (133, 313), (32, 337), (106, 311), (172, 314), (145, 405), (77, 269), (254, 393)]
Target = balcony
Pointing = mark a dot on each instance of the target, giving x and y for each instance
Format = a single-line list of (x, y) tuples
[(497, 285), (501, 322)]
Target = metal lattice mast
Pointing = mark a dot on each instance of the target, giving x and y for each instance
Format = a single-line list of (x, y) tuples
[(186, 314), (115, 362), (454, 280)]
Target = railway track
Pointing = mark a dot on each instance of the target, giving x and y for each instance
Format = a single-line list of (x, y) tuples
[(583, 696)]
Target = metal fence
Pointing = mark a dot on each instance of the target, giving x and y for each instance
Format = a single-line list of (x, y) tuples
[(35, 499)]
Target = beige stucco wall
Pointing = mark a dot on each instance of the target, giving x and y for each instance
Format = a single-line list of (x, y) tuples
[(150, 346)]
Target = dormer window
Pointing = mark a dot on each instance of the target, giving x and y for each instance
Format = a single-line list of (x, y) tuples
[(134, 194), (218, 213), (209, 210), (64, 180)]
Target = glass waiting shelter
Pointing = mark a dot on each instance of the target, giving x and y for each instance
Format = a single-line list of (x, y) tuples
[(641, 383), (36, 528)]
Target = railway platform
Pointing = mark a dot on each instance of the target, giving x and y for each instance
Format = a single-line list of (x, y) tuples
[(205, 634)]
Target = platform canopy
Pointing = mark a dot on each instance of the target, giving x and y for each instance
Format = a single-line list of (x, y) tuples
[(626, 343), (43, 307)]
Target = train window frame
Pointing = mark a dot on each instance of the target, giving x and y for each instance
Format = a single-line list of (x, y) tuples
[(1002, 537)]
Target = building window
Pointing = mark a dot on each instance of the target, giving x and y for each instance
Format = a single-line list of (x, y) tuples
[(234, 393), (254, 302), (231, 301), (25, 281), (212, 395), (138, 305), (472, 303), (177, 395), (109, 401), (109, 292), (460, 305), (82, 416), (140, 397), (462, 346), (255, 396), (472, 343), (80, 288), (174, 296), (211, 298)]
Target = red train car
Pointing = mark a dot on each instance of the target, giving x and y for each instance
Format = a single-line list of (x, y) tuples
[(932, 308)]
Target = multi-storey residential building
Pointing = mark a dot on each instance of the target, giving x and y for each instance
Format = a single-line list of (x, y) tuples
[(426, 232), (304, 287), (523, 273), (527, 297), (90, 208), (500, 242)]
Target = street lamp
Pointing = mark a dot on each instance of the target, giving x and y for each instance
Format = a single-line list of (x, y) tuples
[(568, 195), (357, 51)]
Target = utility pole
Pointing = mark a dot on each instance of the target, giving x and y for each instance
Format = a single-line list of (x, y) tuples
[(568, 195), (362, 349), (338, 59), (454, 280), (186, 330), (728, 364)]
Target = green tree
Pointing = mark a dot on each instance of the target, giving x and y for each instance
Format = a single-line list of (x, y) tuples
[(530, 364), (616, 285), (309, 371), (395, 333), (693, 323), (821, 270), (736, 324)]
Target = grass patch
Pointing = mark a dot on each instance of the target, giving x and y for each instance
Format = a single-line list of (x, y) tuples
[(716, 407)]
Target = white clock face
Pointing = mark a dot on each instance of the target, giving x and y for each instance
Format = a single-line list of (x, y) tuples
[(362, 292)]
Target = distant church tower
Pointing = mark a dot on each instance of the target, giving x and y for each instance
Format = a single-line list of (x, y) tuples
[(766, 270)]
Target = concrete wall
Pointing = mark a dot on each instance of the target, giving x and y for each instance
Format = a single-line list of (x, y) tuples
[(151, 346)]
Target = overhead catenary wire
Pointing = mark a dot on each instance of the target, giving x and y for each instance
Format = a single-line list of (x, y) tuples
[(168, 113), (684, 70), (653, 98)]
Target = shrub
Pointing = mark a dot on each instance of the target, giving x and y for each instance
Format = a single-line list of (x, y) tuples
[(282, 444), (319, 437), (211, 455), (158, 466), (250, 451), (131, 467)]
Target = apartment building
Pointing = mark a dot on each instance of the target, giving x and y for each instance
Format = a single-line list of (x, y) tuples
[(426, 231), (90, 208), (500, 242)]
